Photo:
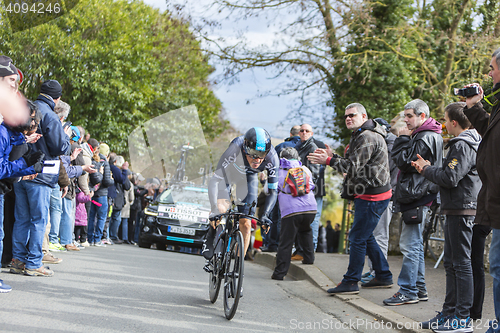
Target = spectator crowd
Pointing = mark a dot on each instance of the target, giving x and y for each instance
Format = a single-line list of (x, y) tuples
[(60, 189)]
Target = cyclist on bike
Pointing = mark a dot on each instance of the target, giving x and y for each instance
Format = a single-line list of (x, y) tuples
[(240, 164)]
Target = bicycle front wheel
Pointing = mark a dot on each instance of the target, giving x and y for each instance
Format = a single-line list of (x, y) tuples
[(233, 278)]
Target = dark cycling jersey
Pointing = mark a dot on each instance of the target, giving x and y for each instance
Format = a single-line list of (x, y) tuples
[(233, 168)]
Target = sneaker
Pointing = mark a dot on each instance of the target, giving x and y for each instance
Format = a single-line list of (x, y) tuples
[(455, 324), (4, 288), (297, 257), (78, 245), (208, 249), (400, 299), (17, 266), (42, 271), (367, 277), (117, 241), (422, 297), (107, 241), (56, 247), (48, 258), (347, 288), (375, 283), (275, 277), (71, 247), (439, 319), (85, 244), (100, 244)]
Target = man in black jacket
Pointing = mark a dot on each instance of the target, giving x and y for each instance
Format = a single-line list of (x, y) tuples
[(119, 170), (488, 163), (414, 194), (308, 144)]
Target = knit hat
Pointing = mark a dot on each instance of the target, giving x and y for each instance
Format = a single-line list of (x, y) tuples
[(7, 68), (51, 88), (104, 149)]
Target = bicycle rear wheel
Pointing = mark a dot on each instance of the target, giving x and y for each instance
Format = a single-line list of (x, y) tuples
[(214, 279), (215, 263), (233, 278)]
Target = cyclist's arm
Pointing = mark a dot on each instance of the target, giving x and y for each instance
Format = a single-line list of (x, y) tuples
[(272, 165), (219, 178), (213, 188)]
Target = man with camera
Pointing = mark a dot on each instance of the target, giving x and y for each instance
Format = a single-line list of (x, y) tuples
[(414, 194), (488, 164)]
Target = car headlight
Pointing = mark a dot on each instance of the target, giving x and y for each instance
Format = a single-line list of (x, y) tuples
[(151, 212), (150, 219)]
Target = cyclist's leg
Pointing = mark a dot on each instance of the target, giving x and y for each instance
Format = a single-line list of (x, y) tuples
[(251, 196)]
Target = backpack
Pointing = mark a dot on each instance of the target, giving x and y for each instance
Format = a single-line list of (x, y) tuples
[(298, 181)]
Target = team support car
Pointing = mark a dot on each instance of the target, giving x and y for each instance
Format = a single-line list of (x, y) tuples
[(178, 216)]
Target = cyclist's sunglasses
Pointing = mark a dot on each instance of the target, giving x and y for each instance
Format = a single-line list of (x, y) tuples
[(256, 154), (491, 99)]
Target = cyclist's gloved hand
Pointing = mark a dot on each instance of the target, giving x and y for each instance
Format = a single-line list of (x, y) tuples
[(266, 223), (212, 217)]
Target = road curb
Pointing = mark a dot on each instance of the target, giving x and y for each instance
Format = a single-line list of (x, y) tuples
[(314, 275)]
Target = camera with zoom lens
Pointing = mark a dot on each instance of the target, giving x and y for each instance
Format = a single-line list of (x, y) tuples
[(467, 92)]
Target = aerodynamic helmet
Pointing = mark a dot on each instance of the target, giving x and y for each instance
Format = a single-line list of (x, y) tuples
[(257, 142)]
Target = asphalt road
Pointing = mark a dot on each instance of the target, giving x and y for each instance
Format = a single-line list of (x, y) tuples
[(123, 288)]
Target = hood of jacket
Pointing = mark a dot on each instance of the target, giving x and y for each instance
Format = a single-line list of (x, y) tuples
[(429, 125), (471, 136), (370, 125), (47, 100), (294, 139), (288, 164)]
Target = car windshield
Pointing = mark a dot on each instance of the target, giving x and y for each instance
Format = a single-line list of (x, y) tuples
[(189, 195)]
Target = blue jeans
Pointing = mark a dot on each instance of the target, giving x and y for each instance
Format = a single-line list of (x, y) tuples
[(2, 234), (137, 226), (31, 214), (412, 276), (495, 272), (66, 225), (315, 223), (361, 241), (114, 224), (55, 214), (97, 218), (124, 228)]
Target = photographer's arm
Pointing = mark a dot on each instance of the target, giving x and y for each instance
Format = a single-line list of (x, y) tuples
[(478, 117)]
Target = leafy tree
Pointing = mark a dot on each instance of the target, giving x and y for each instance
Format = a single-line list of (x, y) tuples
[(379, 53), (120, 63)]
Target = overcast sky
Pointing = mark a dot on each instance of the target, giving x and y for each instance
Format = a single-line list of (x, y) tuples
[(266, 112)]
